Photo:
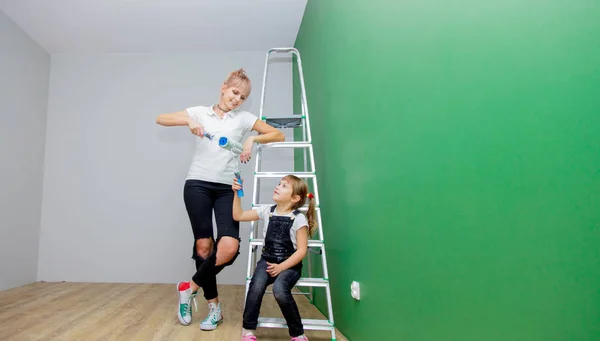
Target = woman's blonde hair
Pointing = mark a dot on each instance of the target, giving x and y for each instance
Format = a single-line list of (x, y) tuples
[(240, 79), (300, 188)]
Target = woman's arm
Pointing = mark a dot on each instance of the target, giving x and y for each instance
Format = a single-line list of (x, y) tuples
[(296, 257), (181, 118), (266, 134)]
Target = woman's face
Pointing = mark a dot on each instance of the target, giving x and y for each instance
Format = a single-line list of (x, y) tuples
[(234, 96)]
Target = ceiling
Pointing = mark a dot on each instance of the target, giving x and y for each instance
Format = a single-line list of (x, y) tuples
[(146, 26)]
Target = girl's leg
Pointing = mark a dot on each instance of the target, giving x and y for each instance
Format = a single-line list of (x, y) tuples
[(282, 290), (258, 285)]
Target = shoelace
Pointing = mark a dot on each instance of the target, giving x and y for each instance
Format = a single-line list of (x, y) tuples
[(195, 302), (213, 315), (186, 306)]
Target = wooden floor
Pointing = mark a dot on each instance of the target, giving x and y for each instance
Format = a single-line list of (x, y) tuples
[(131, 312)]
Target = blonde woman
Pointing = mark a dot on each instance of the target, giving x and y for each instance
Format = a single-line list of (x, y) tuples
[(207, 188)]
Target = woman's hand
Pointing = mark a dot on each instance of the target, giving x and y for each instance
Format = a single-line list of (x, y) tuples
[(195, 127), (246, 155), (236, 185)]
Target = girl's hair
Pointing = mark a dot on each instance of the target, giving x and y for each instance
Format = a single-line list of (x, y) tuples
[(240, 79), (300, 188)]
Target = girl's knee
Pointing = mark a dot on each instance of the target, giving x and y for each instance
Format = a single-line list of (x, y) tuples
[(281, 291), (255, 290)]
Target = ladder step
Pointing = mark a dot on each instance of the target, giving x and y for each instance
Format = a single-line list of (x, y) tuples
[(311, 243), (308, 282), (310, 324), (285, 122), (293, 293), (301, 208), (285, 145), (282, 50), (282, 174), (313, 282)]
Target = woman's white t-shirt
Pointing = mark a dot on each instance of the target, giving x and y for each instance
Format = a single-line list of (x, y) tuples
[(211, 162)]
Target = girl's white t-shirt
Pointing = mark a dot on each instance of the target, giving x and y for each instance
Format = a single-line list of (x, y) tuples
[(211, 162), (300, 220)]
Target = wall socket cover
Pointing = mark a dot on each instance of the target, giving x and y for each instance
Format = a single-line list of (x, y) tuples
[(355, 290)]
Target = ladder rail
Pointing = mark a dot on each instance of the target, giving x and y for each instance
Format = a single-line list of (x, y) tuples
[(307, 172)]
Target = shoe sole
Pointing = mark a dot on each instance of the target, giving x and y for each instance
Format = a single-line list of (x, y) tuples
[(181, 320)]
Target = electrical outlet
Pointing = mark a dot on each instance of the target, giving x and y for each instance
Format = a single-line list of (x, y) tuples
[(355, 290)]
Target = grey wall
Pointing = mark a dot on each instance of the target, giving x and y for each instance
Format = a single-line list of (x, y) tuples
[(24, 72), (113, 206)]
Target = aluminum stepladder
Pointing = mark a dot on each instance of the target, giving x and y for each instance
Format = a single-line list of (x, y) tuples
[(316, 244)]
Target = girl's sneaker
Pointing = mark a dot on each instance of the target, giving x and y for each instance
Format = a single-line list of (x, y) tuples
[(249, 338), (300, 338), (213, 318), (184, 313)]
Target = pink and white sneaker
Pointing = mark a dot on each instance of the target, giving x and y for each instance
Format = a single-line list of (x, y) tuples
[(300, 338), (249, 338)]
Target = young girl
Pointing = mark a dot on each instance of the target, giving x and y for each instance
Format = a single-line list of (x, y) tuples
[(286, 242)]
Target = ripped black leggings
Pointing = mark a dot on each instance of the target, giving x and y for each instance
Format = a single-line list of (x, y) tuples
[(201, 198)]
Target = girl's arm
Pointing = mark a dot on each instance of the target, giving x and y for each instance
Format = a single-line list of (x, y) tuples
[(238, 213), (296, 257)]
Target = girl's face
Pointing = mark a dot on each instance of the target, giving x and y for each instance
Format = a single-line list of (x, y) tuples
[(233, 97), (284, 193)]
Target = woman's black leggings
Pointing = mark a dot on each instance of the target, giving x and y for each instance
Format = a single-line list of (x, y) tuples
[(201, 198)]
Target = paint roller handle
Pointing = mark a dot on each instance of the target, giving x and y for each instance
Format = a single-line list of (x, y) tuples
[(209, 135), (240, 191)]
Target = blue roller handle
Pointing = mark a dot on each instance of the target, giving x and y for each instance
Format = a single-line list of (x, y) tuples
[(240, 192)]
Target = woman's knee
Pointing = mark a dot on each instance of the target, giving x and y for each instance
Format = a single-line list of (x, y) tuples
[(227, 251), (204, 247), (227, 256)]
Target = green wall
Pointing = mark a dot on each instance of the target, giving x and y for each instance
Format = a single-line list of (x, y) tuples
[(463, 190)]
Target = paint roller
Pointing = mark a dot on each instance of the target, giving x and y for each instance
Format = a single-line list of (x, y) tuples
[(235, 147), (226, 143)]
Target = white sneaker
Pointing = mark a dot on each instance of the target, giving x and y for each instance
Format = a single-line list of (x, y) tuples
[(184, 313), (213, 318)]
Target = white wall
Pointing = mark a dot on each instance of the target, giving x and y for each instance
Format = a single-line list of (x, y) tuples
[(113, 207), (24, 72)]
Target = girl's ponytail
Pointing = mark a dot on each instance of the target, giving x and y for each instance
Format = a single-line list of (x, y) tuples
[(310, 215)]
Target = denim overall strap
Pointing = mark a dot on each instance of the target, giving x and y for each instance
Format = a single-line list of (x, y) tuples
[(278, 243)]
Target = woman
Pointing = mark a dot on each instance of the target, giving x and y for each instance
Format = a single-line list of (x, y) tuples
[(208, 187)]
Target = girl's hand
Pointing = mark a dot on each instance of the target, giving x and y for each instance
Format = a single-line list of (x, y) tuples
[(195, 127), (236, 186), (274, 269), (246, 155)]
